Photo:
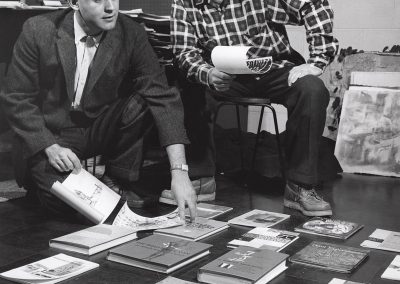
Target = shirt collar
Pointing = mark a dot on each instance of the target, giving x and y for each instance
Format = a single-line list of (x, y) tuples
[(80, 33)]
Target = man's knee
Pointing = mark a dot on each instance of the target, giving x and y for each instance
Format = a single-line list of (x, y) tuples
[(313, 88)]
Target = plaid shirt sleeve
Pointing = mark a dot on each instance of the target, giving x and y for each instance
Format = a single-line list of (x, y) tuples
[(184, 41), (317, 17)]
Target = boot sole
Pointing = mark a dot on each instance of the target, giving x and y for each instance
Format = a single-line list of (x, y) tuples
[(200, 198), (297, 206)]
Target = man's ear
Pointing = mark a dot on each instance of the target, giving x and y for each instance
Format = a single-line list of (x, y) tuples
[(73, 4)]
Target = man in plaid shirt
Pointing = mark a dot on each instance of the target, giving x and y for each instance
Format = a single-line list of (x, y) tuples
[(197, 26)]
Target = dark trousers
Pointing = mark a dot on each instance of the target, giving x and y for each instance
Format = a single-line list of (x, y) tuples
[(306, 101), (117, 134)]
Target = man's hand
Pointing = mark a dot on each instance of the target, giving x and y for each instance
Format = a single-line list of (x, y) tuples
[(220, 80), (63, 159), (184, 193), (301, 71)]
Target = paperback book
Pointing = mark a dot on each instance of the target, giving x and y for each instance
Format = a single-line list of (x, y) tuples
[(159, 253), (209, 211), (384, 240), (342, 281), (329, 227), (266, 238), (94, 239), (49, 270), (87, 195), (259, 218), (173, 280), (244, 265), (330, 256), (393, 270), (196, 230)]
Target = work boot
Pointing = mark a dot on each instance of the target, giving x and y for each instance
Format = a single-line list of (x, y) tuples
[(205, 188), (128, 195), (305, 200)]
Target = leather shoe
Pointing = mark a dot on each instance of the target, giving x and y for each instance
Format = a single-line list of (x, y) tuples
[(205, 188), (128, 195)]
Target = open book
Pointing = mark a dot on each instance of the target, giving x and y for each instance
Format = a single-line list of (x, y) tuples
[(87, 195)]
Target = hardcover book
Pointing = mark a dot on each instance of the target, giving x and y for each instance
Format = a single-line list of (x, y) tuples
[(49, 270), (196, 230), (330, 256), (393, 270), (159, 253), (94, 239), (341, 281), (209, 211), (87, 195), (244, 265), (259, 218), (329, 227), (266, 238), (384, 240), (173, 280)]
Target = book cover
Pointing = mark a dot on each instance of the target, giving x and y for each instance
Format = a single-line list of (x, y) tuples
[(329, 227), (88, 195), (342, 281), (49, 270), (244, 265), (330, 256), (259, 218), (94, 239), (209, 211), (196, 230), (159, 253), (266, 238), (174, 280), (393, 270), (384, 240)]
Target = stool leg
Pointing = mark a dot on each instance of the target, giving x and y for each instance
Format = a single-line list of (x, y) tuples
[(94, 165), (240, 136), (253, 161), (281, 160)]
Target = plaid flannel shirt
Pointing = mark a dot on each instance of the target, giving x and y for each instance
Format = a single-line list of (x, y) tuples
[(197, 26)]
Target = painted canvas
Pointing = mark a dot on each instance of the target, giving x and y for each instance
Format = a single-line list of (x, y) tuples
[(369, 132)]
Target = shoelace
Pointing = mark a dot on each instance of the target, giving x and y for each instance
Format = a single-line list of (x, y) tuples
[(312, 193)]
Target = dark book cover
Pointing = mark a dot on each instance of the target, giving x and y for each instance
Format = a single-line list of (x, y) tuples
[(160, 250), (330, 256), (244, 264), (329, 227)]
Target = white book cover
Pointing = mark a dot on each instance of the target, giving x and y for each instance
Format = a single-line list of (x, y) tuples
[(259, 218), (49, 270), (384, 240), (209, 211), (341, 281), (88, 195), (267, 238), (174, 280), (128, 218), (94, 239), (393, 270)]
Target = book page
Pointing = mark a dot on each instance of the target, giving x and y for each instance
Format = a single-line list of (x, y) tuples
[(234, 60), (127, 218)]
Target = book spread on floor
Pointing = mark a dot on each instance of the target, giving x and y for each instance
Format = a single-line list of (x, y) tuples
[(87, 195), (384, 240), (49, 270), (173, 280), (342, 281), (127, 218), (209, 211), (94, 239), (393, 270), (329, 227), (159, 253), (330, 256), (244, 265), (266, 238), (259, 218), (196, 230)]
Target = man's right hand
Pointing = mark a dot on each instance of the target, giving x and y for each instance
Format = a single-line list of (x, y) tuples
[(220, 80), (63, 159)]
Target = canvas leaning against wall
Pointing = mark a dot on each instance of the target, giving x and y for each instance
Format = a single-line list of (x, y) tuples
[(368, 139)]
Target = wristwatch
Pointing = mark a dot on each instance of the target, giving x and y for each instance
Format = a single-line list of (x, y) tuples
[(180, 167)]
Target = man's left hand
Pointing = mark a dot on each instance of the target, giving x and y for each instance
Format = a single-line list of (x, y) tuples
[(301, 71), (184, 193)]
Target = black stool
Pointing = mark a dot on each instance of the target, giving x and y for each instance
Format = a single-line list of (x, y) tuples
[(245, 102)]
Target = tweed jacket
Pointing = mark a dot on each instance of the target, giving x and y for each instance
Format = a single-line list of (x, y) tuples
[(39, 86)]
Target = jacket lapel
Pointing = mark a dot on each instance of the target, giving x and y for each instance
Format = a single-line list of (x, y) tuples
[(67, 51)]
